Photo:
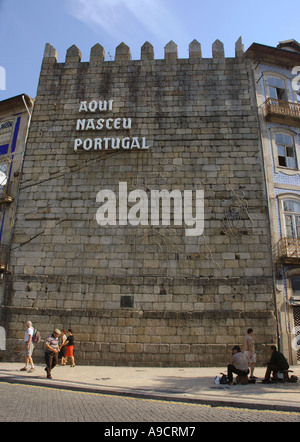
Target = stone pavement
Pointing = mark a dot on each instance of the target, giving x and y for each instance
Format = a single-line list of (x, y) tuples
[(174, 384)]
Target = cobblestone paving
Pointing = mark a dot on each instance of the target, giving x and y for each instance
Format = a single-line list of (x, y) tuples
[(22, 403)]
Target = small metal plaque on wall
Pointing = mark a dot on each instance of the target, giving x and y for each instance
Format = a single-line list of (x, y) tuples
[(127, 301)]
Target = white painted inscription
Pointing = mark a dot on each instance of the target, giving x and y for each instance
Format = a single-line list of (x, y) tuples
[(105, 124)]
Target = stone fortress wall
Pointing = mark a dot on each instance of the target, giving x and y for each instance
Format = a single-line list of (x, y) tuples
[(133, 292)]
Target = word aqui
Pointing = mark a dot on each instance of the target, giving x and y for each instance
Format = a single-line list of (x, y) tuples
[(135, 208)]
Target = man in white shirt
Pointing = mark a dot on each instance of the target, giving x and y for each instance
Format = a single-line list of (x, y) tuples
[(238, 365), (28, 347), (249, 351)]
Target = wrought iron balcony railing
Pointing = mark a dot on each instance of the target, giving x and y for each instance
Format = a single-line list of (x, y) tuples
[(278, 111), (287, 250)]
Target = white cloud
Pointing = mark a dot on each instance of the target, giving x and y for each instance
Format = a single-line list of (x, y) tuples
[(127, 17)]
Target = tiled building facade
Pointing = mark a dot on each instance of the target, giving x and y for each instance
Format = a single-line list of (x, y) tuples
[(15, 116), (276, 76)]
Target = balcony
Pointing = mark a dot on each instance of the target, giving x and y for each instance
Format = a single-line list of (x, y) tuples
[(282, 112), (287, 251)]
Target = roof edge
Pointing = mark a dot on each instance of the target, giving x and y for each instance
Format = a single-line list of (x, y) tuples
[(12, 102)]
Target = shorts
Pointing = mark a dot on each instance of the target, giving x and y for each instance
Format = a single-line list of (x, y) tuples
[(28, 353), (251, 360), (69, 352)]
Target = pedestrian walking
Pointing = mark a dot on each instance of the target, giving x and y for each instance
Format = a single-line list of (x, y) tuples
[(70, 347), (249, 351), (51, 352), (63, 348), (28, 347)]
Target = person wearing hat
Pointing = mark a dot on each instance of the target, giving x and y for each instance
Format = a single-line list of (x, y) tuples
[(238, 365), (51, 351)]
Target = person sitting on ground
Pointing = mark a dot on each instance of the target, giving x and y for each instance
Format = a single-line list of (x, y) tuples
[(277, 363), (239, 364)]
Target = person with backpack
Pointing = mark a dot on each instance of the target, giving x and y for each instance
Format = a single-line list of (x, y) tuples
[(28, 347)]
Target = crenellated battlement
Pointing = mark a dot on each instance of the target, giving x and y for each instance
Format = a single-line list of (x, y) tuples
[(123, 52)]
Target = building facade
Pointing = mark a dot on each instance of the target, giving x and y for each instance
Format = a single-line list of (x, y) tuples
[(15, 116), (142, 221), (278, 98)]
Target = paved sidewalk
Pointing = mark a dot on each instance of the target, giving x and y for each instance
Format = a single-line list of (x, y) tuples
[(175, 384)]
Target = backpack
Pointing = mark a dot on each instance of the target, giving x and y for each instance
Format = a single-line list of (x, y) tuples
[(223, 379), (36, 337), (293, 378)]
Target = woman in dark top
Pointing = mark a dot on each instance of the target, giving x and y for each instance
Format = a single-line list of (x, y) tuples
[(277, 363), (70, 347)]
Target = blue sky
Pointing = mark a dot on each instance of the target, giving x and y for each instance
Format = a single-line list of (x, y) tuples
[(27, 25)]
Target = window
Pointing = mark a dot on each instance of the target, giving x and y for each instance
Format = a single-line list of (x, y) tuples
[(3, 178), (277, 88), (286, 151), (296, 285), (6, 129), (292, 217)]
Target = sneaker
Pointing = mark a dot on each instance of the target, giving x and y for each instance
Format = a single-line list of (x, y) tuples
[(31, 370), (23, 369), (266, 381)]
